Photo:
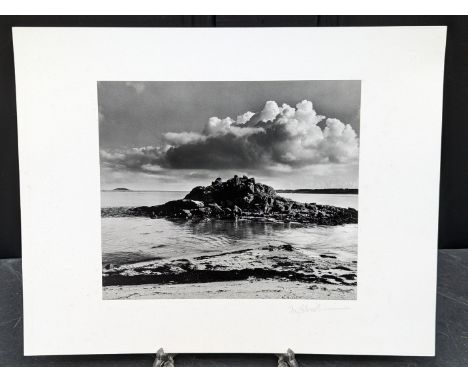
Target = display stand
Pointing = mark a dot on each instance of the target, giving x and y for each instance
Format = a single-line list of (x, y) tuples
[(162, 359), (287, 359)]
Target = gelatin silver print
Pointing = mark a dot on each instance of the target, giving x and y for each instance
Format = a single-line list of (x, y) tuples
[(232, 190)]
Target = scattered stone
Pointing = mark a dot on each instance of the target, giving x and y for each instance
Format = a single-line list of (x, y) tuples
[(340, 267), (348, 276)]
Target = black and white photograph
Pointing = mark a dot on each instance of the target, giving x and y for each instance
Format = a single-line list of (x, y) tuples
[(229, 189)]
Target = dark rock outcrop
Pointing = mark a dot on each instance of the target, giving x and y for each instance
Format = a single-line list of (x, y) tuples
[(243, 198)]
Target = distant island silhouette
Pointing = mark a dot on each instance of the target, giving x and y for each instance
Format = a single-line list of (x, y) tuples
[(121, 189), (320, 191)]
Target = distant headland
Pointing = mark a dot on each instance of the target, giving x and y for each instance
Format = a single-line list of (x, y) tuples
[(121, 189), (320, 191)]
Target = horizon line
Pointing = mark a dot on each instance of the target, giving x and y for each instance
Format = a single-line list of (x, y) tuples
[(277, 190)]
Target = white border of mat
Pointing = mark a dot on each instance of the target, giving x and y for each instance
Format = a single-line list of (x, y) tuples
[(401, 69)]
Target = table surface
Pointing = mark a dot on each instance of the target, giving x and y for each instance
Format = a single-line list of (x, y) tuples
[(451, 336)]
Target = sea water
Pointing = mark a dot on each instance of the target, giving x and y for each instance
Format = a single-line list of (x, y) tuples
[(130, 240)]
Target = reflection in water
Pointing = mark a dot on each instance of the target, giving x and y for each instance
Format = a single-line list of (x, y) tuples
[(137, 239), (240, 229)]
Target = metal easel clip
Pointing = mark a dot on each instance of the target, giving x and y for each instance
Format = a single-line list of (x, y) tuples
[(163, 359), (287, 359)]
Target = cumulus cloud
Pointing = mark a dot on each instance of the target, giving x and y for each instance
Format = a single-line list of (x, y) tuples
[(142, 159), (269, 112), (244, 118), (177, 139), (277, 137), (220, 127)]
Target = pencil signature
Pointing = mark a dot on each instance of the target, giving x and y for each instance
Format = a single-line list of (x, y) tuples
[(312, 308)]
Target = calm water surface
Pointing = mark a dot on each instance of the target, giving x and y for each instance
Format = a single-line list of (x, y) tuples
[(137, 239)]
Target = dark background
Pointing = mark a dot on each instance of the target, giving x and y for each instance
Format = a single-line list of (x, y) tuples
[(453, 215), (452, 306)]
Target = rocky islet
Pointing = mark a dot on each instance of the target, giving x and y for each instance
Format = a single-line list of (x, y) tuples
[(241, 198)]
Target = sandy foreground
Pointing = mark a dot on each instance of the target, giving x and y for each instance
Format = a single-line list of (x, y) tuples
[(244, 289), (271, 272)]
